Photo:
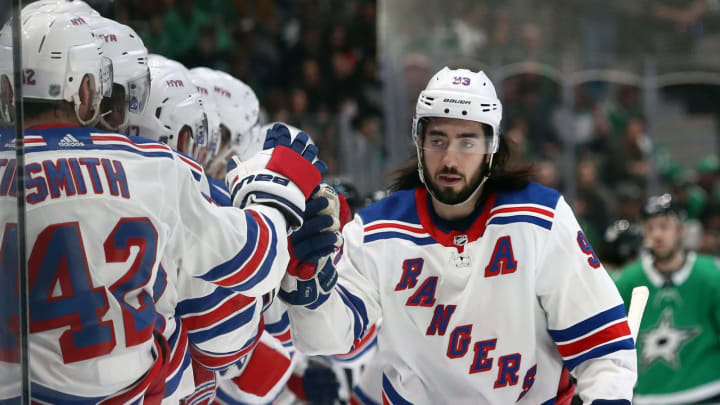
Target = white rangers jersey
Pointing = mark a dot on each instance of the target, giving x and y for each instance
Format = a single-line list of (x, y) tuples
[(488, 315), (10, 355), (102, 211)]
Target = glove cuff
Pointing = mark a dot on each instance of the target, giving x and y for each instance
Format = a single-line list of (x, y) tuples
[(299, 170)]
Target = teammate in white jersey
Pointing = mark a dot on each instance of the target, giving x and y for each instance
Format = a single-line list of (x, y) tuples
[(131, 75), (239, 111), (485, 283), (103, 209)]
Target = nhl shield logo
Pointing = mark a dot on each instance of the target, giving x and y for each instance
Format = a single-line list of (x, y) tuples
[(460, 240)]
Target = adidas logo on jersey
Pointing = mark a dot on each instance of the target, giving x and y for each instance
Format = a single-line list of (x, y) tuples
[(69, 140)]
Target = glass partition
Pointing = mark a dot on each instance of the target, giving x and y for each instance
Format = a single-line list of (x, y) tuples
[(13, 314)]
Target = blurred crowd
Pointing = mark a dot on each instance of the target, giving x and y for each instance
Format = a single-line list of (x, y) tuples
[(601, 31), (310, 62)]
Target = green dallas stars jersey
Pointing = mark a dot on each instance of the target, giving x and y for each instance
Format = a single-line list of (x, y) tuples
[(679, 341)]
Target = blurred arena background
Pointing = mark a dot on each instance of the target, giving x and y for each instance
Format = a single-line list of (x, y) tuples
[(613, 101)]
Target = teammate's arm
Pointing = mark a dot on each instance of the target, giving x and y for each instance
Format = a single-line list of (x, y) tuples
[(246, 249)]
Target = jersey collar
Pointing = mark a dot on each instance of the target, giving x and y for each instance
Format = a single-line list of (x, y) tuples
[(51, 126), (658, 279), (451, 238)]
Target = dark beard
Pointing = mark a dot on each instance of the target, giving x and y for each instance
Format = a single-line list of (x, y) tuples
[(446, 195), (667, 257)]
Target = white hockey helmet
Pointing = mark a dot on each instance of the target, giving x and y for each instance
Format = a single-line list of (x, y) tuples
[(205, 89), (460, 94), (174, 113), (131, 74), (77, 7), (59, 50), (239, 110), (7, 94)]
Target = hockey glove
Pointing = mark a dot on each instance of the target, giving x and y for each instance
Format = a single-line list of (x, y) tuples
[(311, 273), (283, 175), (320, 384)]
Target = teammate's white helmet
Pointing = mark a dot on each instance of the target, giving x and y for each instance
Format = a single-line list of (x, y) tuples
[(461, 94), (131, 74), (7, 105), (58, 50), (205, 89), (77, 7), (239, 110), (173, 108)]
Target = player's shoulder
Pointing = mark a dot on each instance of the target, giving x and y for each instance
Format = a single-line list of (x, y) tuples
[(59, 137), (631, 273), (399, 206), (708, 266), (7, 138), (219, 192), (533, 194), (534, 204)]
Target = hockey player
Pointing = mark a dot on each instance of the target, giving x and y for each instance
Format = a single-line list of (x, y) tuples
[(239, 111), (190, 307), (485, 283), (679, 339), (104, 209), (174, 114), (262, 378), (205, 90), (131, 75)]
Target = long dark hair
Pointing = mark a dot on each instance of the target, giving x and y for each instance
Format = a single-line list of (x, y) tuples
[(503, 177)]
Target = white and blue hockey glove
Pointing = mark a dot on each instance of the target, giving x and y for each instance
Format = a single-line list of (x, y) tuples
[(311, 274), (283, 175)]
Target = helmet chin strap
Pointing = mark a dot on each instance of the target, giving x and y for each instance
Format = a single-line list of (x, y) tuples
[(421, 172)]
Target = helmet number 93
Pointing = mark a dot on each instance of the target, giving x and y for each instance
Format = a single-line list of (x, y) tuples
[(465, 81)]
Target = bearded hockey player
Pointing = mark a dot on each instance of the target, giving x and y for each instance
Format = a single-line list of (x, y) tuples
[(485, 283), (679, 340)]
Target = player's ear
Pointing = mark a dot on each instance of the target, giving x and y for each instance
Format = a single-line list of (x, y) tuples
[(87, 97), (7, 99), (185, 141)]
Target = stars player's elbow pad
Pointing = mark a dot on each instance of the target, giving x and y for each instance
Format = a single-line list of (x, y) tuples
[(283, 175)]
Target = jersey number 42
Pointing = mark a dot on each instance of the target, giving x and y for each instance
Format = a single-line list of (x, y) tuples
[(62, 292)]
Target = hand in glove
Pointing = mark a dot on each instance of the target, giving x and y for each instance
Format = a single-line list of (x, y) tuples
[(311, 273), (283, 175)]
